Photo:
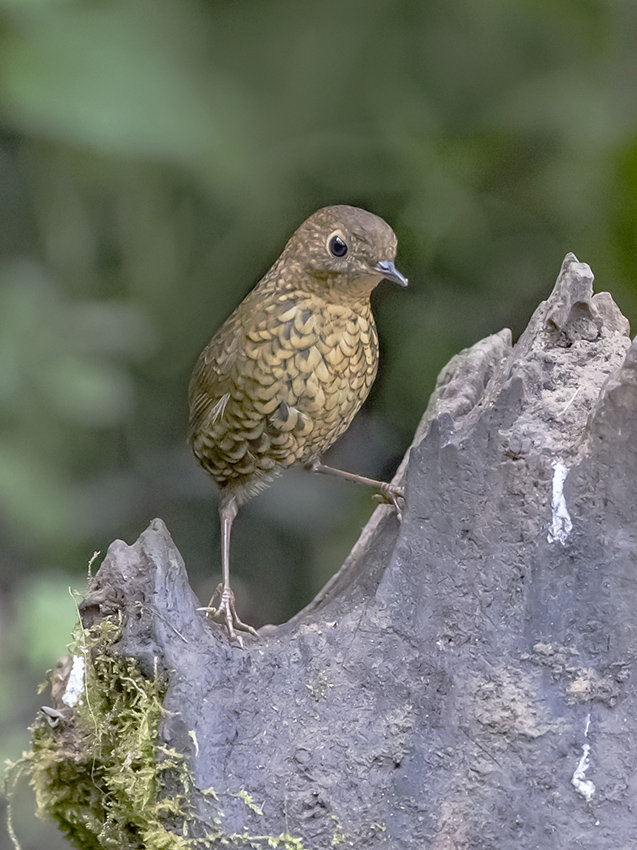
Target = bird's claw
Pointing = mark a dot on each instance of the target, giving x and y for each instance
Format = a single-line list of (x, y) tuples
[(227, 613), (388, 494)]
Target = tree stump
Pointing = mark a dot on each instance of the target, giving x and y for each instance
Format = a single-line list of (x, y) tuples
[(464, 681)]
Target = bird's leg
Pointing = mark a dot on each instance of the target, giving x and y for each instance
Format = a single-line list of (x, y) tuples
[(389, 493), (225, 610)]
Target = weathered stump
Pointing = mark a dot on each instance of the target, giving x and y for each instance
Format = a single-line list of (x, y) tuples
[(464, 681)]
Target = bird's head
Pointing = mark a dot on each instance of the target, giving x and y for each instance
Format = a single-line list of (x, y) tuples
[(344, 249)]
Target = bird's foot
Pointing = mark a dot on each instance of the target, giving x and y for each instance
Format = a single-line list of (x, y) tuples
[(227, 613), (390, 495)]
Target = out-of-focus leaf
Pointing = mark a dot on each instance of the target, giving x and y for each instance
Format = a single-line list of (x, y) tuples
[(46, 614), (124, 78)]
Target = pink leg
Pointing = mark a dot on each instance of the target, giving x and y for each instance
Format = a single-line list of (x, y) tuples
[(390, 494), (226, 610)]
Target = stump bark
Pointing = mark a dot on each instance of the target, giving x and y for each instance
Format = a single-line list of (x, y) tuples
[(466, 680)]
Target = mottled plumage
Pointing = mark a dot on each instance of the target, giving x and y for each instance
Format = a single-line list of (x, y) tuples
[(285, 374)]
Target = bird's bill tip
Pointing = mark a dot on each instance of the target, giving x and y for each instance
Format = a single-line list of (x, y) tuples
[(390, 272)]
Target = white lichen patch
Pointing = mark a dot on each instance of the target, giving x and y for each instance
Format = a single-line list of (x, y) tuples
[(561, 525), (75, 684), (584, 786)]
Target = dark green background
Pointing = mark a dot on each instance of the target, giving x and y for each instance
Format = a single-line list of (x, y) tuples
[(154, 158)]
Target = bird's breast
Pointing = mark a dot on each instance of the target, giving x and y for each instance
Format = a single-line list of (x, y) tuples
[(331, 359), (303, 372)]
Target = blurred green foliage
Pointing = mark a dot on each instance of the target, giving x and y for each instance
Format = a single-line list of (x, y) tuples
[(154, 157)]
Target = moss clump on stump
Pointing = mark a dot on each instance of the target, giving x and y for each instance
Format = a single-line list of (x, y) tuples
[(96, 768)]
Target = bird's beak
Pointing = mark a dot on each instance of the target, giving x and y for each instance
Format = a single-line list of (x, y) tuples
[(390, 272)]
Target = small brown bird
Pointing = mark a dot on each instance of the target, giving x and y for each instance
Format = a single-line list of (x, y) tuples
[(284, 376)]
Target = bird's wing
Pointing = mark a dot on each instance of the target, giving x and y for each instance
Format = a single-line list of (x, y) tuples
[(240, 366), (256, 369), (214, 377)]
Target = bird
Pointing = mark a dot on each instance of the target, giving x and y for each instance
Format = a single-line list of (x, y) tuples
[(286, 373)]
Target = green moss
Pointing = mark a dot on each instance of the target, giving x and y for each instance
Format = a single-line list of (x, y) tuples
[(319, 688), (338, 836), (99, 772), (248, 800), (97, 775)]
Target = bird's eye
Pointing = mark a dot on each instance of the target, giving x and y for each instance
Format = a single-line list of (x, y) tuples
[(337, 246)]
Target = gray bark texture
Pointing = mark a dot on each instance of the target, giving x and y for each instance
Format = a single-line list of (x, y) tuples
[(466, 680)]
